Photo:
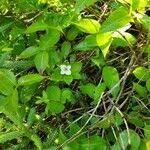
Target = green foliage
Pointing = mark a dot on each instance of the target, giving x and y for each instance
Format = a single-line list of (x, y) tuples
[(74, 74)]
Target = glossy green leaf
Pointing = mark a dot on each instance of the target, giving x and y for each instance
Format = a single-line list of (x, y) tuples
[(142, 73), (118, 19), (90, 26), (124, 40), (88, 44), (144, 20), (37, 26), (111, 79), (30, 79), (104, 41), (141, 90), (41, 61)]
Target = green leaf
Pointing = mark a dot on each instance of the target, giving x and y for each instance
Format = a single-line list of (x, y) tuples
[(37, 141), (111, 79), (68, 79), (88, 89), (90, 26), (7, 81), (28, 52), (76, 67), (148, 85), (31, 116), (88, 44), (8, 136), (55, 107), (142, 73), (30, 79), (122, 142), (41, 61), (123, 41), (98, 92), (147, 132), (11, 104), (37, 26), (66, 95), (53, 93), (104, 41), (144, 20), (27, 92), (49, 39), (142, 91), (72, 33), (118, 19), (94, 142), (80, 5), (65, 49)]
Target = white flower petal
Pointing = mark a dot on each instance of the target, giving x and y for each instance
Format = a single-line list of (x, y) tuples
[(69, 67), (68, 72), (65, 69), (62, 72), (62, 66)]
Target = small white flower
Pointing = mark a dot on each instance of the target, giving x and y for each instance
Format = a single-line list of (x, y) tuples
[(65, 69)]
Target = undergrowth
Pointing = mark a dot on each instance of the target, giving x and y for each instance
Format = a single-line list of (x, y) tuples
[(75, 74)]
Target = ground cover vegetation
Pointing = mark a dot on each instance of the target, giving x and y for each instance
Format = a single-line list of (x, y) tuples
[(75, 74)]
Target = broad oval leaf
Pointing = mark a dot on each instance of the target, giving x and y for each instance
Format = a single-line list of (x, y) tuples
[(65, 49), (30, 79), (49, 39), (37, 26), (126, 39), (88, 44), (111, 79), (55, 107), (141, 90), (142, 73), (118, 19), (28, 52), (90, 26), (104, 41), (41, 61), (88, 89), (53, 93)]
